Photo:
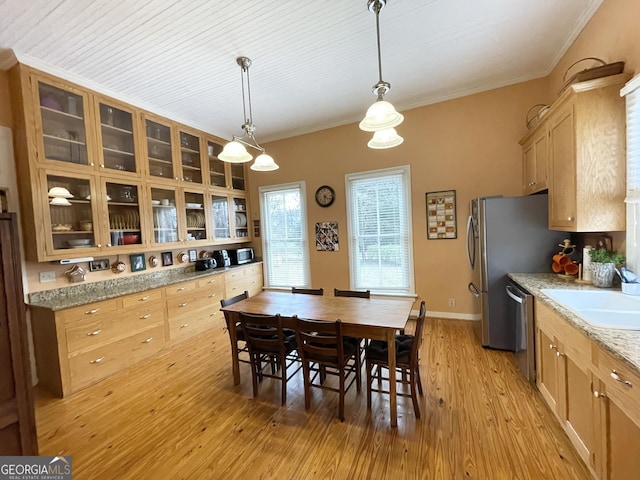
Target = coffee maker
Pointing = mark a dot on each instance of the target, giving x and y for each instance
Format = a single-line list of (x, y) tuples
[(222, 258)]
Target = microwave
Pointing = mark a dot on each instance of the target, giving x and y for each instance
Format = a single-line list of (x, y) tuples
[(241, 255)]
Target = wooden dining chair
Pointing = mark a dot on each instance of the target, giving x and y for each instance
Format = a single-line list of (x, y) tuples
[(352, 293), (266, 339), (308, 291), (407, 361), (237, 350), (324, 351)]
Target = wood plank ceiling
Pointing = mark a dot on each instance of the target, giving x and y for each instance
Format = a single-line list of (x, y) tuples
[(313, 63)]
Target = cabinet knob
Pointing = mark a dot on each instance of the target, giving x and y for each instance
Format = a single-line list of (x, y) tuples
[(184, 325), (212, 295), (552, 346), (92, 311), (570, 219), (94, 333), (559, 354), (618, 378), (144, 317), (598, 394), (148, 340), (180, 289), (109, 245), (102, 165), (99, 245), (97, 360), (92, 164), (183, 304), (143, 299)]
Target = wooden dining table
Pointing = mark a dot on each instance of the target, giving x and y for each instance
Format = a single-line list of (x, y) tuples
[(372, 318)]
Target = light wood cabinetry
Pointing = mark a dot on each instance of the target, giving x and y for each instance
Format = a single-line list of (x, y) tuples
[(78, 346), (535, 155), (585, 155), (564, 377), (115, 160), (594, 396)]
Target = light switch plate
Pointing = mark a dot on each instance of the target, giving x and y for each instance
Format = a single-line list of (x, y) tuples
[(46, 277)]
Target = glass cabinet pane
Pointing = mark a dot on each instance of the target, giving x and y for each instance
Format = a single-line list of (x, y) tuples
[(159, 150), (216, 166), (70, 212), (124, 214), (241, 224), (165, 215), (116, 128), (63, 125), (196, 219), (190, 157), (237, 176), (220, 210)]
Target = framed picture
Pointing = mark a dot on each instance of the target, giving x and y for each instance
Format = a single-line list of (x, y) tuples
[(441, 215), (327, 236), (99, 264), (137, 262), (193, 255), (167, 259)]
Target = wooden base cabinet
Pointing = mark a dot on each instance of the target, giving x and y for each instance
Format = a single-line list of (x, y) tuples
[(247, 278), (76, 347), (594, 396), (564, 377)]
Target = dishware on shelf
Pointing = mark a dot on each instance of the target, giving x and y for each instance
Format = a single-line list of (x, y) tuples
[(165, 202), (86, 225), (50, 102), (194, 205), (155, 202), (60, 192), (60, 202), (130, 238), (62, 227), (80, 242)]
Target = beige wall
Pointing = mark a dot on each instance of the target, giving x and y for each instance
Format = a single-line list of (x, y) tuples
[(469, 144)]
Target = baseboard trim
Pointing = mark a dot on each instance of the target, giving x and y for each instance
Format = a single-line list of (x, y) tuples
[(455, 316)]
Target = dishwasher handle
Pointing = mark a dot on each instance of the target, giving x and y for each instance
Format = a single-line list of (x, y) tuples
[(514, 296)]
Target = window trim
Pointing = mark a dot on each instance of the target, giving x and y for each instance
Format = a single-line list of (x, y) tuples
[(301, 185), (405, 172), (632, 87)]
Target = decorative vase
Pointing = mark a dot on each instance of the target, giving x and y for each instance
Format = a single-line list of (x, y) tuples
[(602, 274)]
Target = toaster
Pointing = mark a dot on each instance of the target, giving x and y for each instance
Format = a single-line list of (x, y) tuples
[(206, 264)]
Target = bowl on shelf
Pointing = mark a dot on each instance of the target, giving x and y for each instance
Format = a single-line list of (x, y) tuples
[(155, 202), (59, 192), (80, 242), (194, 205), (130, 238), (86, 225), (62, 227)]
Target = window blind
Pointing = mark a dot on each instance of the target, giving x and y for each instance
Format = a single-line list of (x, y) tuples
[(284, 239), (631, 92), (380, 247)]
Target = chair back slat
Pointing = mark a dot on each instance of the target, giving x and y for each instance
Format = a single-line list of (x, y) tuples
[(225, 302), (417, 336), (263, 333), (320, 340), (352, 293), (308, 291)]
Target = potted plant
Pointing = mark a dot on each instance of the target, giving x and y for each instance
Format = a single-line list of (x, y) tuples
[(603, 263)]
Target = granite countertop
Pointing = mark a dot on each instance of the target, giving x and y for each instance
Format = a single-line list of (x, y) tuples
[(84, 293), (623, 344)]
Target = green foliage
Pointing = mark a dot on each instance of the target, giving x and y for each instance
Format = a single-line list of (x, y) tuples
[(602, 255)]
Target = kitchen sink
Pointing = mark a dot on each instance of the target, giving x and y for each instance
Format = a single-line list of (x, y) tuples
[(605, 309)]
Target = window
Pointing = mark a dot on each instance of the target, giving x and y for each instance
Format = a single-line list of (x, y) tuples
[(380, 239), (284, 238), (632, 93)]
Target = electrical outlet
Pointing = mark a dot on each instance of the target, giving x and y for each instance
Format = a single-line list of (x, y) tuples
[(452, 303), (47, 277)]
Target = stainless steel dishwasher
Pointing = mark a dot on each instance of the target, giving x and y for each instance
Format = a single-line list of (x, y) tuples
[(520, 311)]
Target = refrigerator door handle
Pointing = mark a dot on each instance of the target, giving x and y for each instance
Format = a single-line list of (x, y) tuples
[(513, 296), (474, 290), (471, 243)]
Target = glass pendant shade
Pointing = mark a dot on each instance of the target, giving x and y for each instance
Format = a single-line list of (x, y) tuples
[(235, 152), (380, 116), (264, 163), (386, 138)]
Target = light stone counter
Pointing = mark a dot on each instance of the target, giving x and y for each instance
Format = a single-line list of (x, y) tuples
[(83, 293), (623, 344)]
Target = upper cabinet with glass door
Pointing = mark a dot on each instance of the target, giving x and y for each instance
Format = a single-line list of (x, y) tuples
[(222, 174), (63, 117), (190, 158), (124, 202), (116, 138), (159, 150)]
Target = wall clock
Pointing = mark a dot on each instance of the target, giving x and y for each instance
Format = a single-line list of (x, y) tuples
[(325, 195)]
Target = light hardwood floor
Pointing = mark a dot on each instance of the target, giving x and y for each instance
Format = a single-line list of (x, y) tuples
[(179, 416)]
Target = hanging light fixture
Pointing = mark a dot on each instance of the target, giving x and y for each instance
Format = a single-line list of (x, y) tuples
[(235, 151), (381, 117)]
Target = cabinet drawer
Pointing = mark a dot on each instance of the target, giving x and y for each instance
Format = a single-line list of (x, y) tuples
[(252, 284), (192, 323), (180, 288), (626, 394), (108, 359), (88, 333), (90, 310), (214, 280), (189, 303), (142, 298)]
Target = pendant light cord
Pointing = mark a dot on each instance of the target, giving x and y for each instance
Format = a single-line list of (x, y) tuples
[(378, 36)]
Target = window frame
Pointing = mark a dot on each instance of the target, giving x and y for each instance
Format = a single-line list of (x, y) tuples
[(631, 92), (262, 191), (405, 172)]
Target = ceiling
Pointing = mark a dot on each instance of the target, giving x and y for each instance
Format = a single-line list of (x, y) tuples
[(314, 63)]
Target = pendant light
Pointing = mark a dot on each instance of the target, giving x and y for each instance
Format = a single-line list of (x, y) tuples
[(235, 151), (381, 117)]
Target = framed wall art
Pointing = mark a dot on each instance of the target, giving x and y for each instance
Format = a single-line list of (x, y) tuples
[(327, 236), (137, 262), (441, 215), (167, 259), (99, 264)]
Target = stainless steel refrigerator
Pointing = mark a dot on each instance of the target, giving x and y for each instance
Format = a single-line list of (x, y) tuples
[(506, 235)]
